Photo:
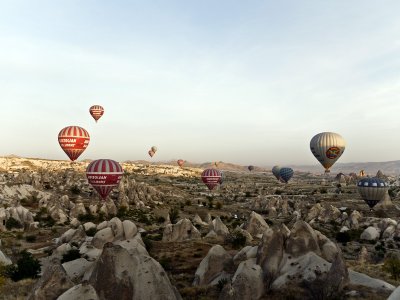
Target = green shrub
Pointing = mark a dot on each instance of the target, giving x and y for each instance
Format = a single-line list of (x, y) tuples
[(218, 205), (13, 223), (236, 239), (122, 212), (173, 214), (221, 283), (75, 190), (392, 266), (91, 231), (27, 267), (71, 255), (160, 219), (166, 263), (30, 238)]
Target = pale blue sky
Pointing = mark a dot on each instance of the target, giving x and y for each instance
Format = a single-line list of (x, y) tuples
[(248, 82)]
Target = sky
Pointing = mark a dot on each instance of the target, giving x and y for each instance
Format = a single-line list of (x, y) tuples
[(247, 82)]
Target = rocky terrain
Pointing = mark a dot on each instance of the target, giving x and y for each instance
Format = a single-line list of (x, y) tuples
[(163, 235)]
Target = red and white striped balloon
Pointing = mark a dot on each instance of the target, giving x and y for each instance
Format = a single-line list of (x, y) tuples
[(211, 177), (104, 175), (73, 140), (96, 111)]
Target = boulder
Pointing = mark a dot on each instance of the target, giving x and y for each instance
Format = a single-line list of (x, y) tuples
[(76, 268), (117, 274), (181, 231), (53, 282), (219, 227), (370, 234), (212, 265), (83, 291), (130, 229), (247, 283), (4, 260), (102, 236), (256, 225), (118, 230)]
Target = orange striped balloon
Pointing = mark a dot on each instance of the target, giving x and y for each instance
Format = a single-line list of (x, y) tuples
[(211, 178), (96, 111), (104, 175), (73, 140)]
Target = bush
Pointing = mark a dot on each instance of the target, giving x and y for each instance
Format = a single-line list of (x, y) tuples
[(75, 190), (218, 205), (173, 214), (236, 239), (30, 238), (323, 190), (188, 202), (86, 217), (166, 263), (27, 267), (392, 266), (278, 192), (91, 231), (13, 223), (122, 212), (160, 219), (221, 283), (71, 255)]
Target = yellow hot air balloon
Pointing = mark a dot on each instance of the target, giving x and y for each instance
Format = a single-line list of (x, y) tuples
[(327, 147)]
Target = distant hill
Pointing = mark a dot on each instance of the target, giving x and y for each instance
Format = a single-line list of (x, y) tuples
[(370, 168)]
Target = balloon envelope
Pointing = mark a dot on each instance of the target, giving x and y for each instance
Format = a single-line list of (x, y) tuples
[(211, 178), (251, 168), (151, 153), (275, 171), (104, 175), (96, 111), (180, 162), (327, 147), (154, 149), (285, 174), (73, 140), (372, 190)]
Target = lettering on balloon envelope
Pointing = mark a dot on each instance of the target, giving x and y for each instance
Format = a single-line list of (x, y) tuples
[(332, 152)]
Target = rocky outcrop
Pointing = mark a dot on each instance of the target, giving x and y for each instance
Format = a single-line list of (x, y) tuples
[(53, 282), (219, 227), (181, 231), (4, 260), (247, 283), (83, 291), (212, 266), (256, 225), (120, 275)]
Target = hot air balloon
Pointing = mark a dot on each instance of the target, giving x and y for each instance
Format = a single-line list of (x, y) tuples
[(180, 162), (285, 174), (104, 175), (251, 168), (275, 171), (154, 149), (73, 140), (211, 177), (96, 111), (151, 153), (372, 190), (327, 147)]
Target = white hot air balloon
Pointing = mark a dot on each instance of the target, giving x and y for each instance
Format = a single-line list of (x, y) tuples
[(327, 147)]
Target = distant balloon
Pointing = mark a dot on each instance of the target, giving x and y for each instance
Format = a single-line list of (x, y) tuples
[(285, 174), (361, 173), (73, 140), (104, 175), (151, 153), (154, 149), (372, 190), (216, 164), (211, 178), (180, 162), (251, 168), (275, 171), (327, 147), (96, 111)]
